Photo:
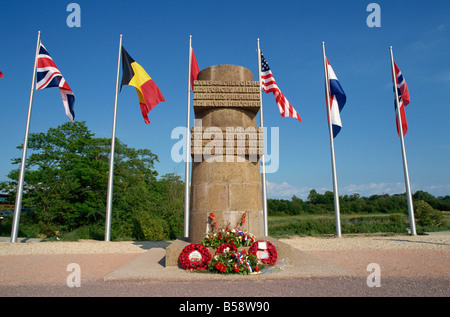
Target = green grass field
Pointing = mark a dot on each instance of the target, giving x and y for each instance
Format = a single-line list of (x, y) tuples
[(316, 225)]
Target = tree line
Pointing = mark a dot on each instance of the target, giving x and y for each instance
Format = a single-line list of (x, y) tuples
[(351, 204)]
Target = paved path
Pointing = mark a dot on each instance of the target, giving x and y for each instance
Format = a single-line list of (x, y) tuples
[(409, 266)]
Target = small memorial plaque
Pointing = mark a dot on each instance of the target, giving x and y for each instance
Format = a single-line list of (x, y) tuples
[(195, 256), (262, 254)]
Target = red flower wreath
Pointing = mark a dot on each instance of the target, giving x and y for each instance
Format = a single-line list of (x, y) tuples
[(223, 246), (272, 257), (195, 257)]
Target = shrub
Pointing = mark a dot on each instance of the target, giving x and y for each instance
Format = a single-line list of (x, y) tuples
[(150, 227), (427, 215)]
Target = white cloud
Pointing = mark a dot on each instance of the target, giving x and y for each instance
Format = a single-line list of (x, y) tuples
[(285, 190), (375, 189), (438, 190)]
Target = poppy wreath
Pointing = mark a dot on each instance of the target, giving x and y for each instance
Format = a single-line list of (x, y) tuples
[(223, 248), (272, 257), (195, 257)]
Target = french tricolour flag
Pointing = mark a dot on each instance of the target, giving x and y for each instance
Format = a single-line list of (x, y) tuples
[(337, 100)]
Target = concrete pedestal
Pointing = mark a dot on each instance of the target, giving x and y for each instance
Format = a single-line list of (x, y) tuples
[(284, 251)]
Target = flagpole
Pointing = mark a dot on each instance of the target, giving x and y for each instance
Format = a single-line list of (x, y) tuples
[(263, 160), (111, 159), (188, 146), (17, 206), (412, 222), (333, 159)]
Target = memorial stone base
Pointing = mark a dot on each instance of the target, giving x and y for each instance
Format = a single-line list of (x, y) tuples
[(173, 251)]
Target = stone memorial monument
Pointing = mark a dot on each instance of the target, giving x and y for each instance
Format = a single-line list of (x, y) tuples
[(226, 146)]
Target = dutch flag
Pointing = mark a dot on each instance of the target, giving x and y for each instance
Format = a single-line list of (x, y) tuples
[(337, 100)]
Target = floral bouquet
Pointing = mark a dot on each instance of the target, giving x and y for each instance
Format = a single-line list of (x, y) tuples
[(228, 259), (237, 262), (238, 237)]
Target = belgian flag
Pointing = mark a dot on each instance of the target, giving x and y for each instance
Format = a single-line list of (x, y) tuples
[(134, 75)]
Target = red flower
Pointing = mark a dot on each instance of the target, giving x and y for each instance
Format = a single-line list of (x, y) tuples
[(243, 218), (221, 267), (236, 268), (223, 246), (212, 216)]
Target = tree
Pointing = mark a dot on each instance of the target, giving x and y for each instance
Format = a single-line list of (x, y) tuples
[(313, 196), (67, 175)]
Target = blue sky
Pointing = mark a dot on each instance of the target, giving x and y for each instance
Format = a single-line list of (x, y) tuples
[(156, 35)]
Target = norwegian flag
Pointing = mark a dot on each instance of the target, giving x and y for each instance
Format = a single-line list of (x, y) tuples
[(403, 99), (48, 75), (269, 85)]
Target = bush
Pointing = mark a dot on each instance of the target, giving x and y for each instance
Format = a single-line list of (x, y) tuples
[(427, 215), (93, 232), (150, 227)]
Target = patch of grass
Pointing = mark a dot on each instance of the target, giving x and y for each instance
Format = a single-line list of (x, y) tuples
[(315, 225)]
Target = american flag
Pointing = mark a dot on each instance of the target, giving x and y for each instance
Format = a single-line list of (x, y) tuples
[(48, 75), (269, 85), (403, 99)]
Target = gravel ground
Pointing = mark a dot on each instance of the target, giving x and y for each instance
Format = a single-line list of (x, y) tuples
[(398, 256), (398, 242), (80, 247), (350, 242)]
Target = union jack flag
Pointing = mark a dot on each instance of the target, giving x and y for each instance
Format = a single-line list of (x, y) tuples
[(48, 75), (403, 99), (269, 85)]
